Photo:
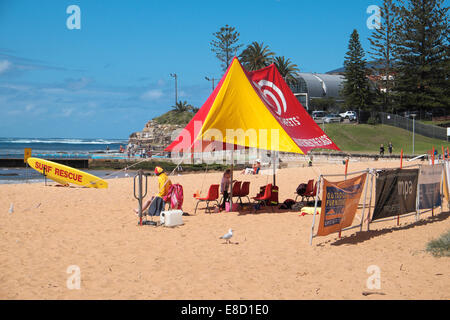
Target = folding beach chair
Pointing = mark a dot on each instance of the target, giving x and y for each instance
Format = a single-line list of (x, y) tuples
[(212, 196), (245, 191), (311, 193), (266, 197), (307, 192), (236, 190)]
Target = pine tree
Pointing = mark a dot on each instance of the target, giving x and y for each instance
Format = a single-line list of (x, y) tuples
[(383, 50), (356, 89), (225, 45), (423, 50)]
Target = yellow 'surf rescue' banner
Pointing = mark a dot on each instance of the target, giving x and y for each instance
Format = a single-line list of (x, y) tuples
[(65, 174), (339, 204)]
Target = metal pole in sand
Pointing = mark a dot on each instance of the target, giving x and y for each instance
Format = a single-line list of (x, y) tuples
[(139, 195), (315, 209), (401, 167), (231, 185), (401, 159), (418, 199), (370, 201), (432, 157), (274, 161), (366, 184), (346, 168)]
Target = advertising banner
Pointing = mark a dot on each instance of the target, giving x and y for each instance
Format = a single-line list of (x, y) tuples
[(446, 181), (396, 193), (430, 178), (339, 204)]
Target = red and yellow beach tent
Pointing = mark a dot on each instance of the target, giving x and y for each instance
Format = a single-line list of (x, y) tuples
[(253, 110)]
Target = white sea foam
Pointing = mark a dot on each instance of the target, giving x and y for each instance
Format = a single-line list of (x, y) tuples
[(62, 141)]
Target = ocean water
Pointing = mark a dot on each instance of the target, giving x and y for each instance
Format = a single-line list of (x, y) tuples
[(56, 148), (16, 146), (28, 175)]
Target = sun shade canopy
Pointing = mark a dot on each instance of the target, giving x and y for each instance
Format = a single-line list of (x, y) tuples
[(253, 110)]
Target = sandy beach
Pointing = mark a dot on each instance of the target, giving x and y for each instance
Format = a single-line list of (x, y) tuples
[(53, 228)]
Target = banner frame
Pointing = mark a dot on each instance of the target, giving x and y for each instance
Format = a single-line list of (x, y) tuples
[(319, 189), (442, 194), (417, 213)]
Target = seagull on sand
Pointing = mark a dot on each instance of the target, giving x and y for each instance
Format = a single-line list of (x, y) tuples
[(227, 236)]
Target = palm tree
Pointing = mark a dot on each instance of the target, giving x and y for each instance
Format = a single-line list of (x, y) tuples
[(181, 106), (194, 110), (256, 56), (287, 69)]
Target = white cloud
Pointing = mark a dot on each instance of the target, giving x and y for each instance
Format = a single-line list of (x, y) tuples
[(77, 84), (54, 90), (4, 66), (153, 94), (14, 87), (67, 112)]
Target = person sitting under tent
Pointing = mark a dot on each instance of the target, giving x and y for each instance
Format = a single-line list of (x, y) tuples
[(156, 203), (225, 186), (254, 169)]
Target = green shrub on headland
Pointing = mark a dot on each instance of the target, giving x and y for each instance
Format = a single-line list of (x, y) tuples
[(174, 117)]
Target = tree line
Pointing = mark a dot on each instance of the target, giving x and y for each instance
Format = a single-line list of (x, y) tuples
[(410, 49), (411, 52), (256, 55)]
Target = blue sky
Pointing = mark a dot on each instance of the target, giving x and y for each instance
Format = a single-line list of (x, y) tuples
[(111, 76)]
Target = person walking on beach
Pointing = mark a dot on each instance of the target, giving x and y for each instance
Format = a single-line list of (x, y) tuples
[(390, 147), (382, 150)]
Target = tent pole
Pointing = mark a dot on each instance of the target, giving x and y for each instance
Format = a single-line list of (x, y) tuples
[(231, 186), (315, 210), (274, 161)]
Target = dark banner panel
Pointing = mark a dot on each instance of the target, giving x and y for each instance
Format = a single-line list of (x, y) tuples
[(430, 186), (396, 193)]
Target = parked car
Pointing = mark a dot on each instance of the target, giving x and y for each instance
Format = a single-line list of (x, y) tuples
[(351, 115), (332, 117), (318, 116)]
